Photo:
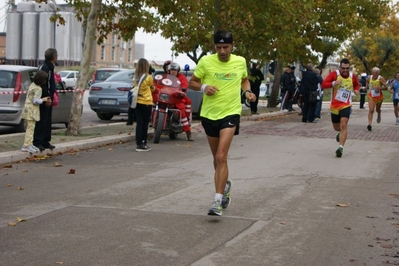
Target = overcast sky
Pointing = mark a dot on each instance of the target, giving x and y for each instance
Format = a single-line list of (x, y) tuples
[(156, 47)]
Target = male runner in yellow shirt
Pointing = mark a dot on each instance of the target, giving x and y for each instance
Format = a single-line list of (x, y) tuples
[(221, 77)]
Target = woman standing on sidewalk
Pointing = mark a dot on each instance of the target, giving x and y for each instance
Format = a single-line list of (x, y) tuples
[(376, 84), (144, 103)]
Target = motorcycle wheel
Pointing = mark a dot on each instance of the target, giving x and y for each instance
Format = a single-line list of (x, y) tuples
[(173, 135), (158, 127)]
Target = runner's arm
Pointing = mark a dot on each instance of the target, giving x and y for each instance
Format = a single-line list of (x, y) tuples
[(328, 81)]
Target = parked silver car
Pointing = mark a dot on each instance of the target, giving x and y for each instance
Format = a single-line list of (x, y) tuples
[(195, 96), (109, 98), (14, 83)]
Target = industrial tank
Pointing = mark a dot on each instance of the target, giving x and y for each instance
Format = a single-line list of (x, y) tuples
[(46, 36), (42, 7), (14, 37), (30, 22), (77, 40), (26, 7), (62, 38)]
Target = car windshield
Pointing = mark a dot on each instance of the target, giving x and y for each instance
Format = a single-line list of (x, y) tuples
[(63, 74), (125, 76), (104, 74)]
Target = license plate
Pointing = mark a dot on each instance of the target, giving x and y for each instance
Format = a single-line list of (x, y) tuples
[(109, 102)]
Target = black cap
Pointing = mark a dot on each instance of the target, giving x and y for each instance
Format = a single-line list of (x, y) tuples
[(223, 36), (292, 68)]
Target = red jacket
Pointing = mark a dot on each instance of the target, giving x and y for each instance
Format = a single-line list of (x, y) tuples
[(183, 81)]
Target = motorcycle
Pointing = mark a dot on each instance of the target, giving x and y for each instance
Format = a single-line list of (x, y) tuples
[(166, 117)]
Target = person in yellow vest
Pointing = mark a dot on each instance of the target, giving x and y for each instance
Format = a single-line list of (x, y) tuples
[(375, 84)]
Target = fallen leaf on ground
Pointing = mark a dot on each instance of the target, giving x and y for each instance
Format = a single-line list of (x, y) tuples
[(9, 185), (12, 224), (20, 188), (111, 149), (386, 245), (21, 219), (59, 262), (72, 171), (56, 164), (343, 205)]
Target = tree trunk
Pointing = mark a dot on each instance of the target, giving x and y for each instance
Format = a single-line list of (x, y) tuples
[(272, 102), (84, 71)]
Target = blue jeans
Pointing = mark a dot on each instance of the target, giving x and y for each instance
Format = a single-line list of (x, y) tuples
[(318, 107)]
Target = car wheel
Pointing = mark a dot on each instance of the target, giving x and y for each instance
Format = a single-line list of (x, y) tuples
[(105, 116), (21, 127)]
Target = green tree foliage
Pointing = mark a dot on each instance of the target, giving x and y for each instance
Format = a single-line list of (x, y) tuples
[(286, 31), (377, 46)]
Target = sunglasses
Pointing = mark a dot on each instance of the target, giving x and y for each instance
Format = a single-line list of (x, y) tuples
[(345, 68)]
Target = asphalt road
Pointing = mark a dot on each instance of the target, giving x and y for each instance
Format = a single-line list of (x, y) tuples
[(293, 201)]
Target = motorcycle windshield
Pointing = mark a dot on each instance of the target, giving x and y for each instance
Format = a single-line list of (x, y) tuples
[(166, 80)]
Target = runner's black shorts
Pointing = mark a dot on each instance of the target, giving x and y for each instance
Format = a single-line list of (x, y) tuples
[(346, 112), (212, 127)]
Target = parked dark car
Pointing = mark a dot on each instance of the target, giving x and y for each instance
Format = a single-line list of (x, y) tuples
[(14, 84), (109, 98), (195, 96)]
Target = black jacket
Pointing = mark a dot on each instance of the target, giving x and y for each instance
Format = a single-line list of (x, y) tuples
[(255, 78), (309, 82), (48, 88)]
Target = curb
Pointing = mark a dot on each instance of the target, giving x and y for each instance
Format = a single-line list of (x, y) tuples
[(15, 156)]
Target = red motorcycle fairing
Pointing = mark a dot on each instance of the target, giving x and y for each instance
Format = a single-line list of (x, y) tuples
[(166, 116)]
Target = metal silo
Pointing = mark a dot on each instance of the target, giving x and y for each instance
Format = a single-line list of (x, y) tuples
[(14, 37), (26, 7), (46, 36), (30, 22), (42, 7), (76, 40), (62, 39)]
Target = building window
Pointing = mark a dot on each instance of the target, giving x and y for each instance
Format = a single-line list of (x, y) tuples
[(113, 39), (129, 55), (113, 54), (102, 52)]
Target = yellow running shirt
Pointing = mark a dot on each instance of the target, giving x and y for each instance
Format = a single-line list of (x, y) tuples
[(227, 77), (375, 95), (341, 96)]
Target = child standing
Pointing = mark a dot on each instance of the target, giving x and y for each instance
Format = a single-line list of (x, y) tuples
[(31, 112)]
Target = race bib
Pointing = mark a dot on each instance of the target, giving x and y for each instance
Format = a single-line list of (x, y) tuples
[(342, 95), (375, 93), (396, 96)]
